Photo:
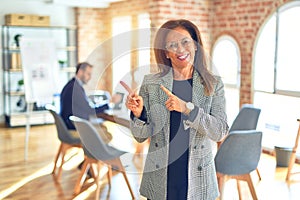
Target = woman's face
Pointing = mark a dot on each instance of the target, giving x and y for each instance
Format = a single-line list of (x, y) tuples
[(180, 48)]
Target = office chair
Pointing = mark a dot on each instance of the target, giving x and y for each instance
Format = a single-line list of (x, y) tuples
[(237, 157), (99, 153), (246, 119), (67, 140)]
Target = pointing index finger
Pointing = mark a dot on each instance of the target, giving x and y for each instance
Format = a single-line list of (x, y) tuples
[(168, 93), (129, 90)]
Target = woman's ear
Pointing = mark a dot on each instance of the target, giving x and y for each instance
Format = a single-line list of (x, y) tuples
[(167, 56)]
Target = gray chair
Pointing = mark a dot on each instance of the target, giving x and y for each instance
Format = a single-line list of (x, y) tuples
[(246, 119), (237, 157), (99, 153), (67, 140)]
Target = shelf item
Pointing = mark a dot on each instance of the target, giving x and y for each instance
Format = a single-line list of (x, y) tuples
[(16, 19), (65, 38)]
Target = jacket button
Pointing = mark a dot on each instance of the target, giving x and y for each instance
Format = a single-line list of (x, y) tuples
[(157, 166), (195, 147), (202, 146), (156, 145), (199, 168)]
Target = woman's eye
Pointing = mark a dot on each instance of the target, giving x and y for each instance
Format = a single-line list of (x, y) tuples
[(185, 41)]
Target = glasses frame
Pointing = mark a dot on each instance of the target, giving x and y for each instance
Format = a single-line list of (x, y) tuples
[(174, 45)]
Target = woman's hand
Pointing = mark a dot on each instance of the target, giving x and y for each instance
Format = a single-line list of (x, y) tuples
[(174, 103), (134, 102)]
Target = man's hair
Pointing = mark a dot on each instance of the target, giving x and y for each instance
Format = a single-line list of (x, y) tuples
[(82, 66)]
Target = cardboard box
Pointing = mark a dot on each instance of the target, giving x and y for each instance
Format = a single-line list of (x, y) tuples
[(18, 19), (40, 20)]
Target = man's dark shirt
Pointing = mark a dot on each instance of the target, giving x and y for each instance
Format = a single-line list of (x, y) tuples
[(73, 101)]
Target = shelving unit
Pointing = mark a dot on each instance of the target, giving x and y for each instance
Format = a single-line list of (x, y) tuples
[(65, 38)]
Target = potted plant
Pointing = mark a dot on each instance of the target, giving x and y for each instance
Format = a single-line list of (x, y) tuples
[(62, 63), (20, 85)]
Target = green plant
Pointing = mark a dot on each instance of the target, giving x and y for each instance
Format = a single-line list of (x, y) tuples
[(21, 82), (61, 62)]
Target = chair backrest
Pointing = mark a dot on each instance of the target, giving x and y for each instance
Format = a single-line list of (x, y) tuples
[(246, 119), (93, 142), (239, 153), (62, 131)]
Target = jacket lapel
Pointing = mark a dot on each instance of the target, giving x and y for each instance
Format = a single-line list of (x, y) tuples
[(167, 80), (198, 91)]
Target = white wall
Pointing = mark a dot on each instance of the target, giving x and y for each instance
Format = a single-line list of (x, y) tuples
[(59, 16)]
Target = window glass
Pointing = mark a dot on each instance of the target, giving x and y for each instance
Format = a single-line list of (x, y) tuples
[(121, 27), (226, 60), (288, 60), (264, 57), (144, 48)]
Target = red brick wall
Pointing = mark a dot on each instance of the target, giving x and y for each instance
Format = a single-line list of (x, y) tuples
[(95, 24), (92, 32), (241, 19)]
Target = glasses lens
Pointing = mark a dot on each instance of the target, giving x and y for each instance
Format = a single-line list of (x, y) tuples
[(185, 42), (172, 46)]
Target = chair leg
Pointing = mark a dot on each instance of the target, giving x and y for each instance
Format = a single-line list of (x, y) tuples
[(293, 156), (63, 153), (128, 184), (82, 176), (239, 189), (222, 181), (251, 186), (109, 175), (290, 166), (97, 180), (93, 172), (117, 162), (56, 158), (258, 174)]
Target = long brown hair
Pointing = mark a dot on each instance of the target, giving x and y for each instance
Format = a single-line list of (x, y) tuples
[(200, 64)]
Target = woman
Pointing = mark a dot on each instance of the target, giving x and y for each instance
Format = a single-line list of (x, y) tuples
[(182, 110)]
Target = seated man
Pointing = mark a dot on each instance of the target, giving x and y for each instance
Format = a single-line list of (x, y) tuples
[(73, 99)]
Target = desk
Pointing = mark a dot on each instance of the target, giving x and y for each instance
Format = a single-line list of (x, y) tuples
[(118, 124), (123, 119), (118, 119)]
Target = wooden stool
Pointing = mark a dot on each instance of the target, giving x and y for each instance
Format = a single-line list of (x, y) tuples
[(293, 155)]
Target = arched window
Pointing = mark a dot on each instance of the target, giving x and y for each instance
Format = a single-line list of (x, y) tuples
[(276, 75), (226, 59)]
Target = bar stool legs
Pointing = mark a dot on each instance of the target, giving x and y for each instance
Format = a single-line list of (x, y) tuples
[(293, 155)]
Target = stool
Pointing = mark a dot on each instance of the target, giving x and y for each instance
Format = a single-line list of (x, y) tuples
[(293, 155)]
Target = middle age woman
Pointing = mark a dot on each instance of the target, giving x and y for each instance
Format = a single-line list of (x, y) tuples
[(182, 110)]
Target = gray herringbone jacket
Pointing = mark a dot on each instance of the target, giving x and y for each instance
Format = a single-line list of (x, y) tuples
[(209, 125)]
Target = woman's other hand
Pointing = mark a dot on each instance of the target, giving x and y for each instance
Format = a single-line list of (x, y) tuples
[(174, 103)]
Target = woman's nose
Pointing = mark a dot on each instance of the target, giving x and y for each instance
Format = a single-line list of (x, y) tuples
[(180, 47)]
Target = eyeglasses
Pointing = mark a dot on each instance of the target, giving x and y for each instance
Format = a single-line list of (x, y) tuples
[(173, 46)]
